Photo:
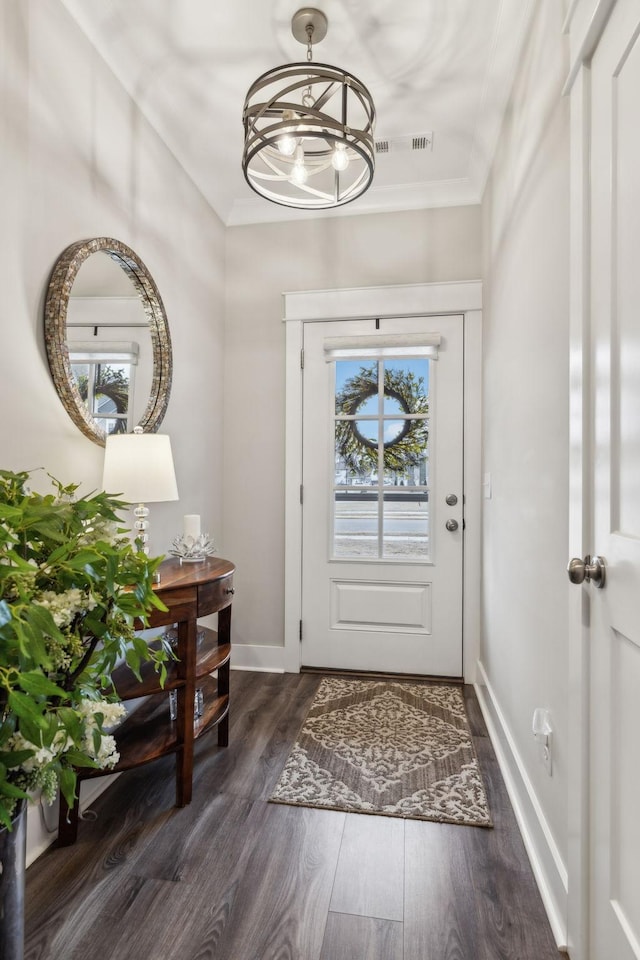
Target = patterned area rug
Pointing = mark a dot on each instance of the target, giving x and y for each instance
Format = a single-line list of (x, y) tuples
[(393, 748)]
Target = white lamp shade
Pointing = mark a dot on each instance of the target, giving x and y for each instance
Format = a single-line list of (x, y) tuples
[(138, 468)]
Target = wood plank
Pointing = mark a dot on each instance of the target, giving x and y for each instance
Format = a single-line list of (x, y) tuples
[(247, 899), (474, 713), (199, 843), (66, 883), (190, 915), (282, 901), (440, 918), (508, 903), (263, 729), (361, 938), (154, 917), (469, 892), (370, 876)]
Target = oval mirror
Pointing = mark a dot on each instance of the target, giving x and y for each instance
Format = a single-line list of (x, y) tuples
[(107, 339)]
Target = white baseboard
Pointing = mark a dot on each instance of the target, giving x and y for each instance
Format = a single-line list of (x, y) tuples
[(250, 656), (548, 867)]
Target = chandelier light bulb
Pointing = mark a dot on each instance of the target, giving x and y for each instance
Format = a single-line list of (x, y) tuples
[(286, 143), (340, 157), (287, 146), (299, 173)]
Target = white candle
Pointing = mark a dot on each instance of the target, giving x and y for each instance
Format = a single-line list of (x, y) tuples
[(192, 525)]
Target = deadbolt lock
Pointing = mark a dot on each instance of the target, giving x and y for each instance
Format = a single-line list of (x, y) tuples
[(451, 499)]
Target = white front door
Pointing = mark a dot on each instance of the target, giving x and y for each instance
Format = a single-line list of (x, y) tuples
[(614, 914), (382, 527)]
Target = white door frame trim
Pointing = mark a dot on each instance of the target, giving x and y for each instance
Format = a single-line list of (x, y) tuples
[(407, 300)]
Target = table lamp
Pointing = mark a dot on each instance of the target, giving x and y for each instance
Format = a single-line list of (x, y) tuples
[(138, 468)]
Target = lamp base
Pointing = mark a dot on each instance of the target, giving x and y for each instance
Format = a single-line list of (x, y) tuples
[(141, 526)]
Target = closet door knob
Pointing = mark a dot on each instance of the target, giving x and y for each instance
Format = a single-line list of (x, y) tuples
[(591, 569)]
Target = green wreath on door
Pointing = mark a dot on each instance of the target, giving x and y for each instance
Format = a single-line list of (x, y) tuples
[(404, 451)]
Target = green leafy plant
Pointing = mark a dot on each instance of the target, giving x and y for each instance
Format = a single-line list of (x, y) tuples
[(72, 589)]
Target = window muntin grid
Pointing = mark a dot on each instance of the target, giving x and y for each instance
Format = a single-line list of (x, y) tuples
[(382, 468)]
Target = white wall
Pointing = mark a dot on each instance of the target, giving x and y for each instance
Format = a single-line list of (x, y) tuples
[(262, 262), (525, 533), (78, 160)]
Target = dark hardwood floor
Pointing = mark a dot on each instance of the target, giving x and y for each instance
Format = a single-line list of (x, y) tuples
[(233, 877)]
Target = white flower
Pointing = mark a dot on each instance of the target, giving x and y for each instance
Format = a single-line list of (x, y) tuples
[(100, 528), (64, 606), (42, 755), (111, 712), (106, 756)]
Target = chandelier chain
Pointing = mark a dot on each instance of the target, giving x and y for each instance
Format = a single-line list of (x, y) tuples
[(307, 97)]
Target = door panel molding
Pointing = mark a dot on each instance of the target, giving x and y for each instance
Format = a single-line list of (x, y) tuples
[(422, 299), (406, 607)]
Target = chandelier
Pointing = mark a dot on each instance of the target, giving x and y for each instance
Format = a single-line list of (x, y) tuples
[(308, 129)]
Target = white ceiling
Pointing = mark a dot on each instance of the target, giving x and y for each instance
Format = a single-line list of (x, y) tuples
[(437, 67)]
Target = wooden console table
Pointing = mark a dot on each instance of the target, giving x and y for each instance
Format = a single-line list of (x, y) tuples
[(189, 591)]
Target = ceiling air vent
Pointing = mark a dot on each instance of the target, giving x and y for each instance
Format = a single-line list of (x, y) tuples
[(417, 142)]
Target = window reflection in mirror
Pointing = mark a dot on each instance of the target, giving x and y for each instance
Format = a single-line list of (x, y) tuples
[(106, 382), (109, 342)]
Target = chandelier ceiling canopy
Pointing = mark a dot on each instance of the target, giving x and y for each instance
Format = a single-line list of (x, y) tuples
[(308, 129)]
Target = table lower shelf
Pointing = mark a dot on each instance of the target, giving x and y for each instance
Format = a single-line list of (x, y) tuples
[(210, 655), (149, 733)]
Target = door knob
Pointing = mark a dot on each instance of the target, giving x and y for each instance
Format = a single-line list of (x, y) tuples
[(591, 569), (451, 525)]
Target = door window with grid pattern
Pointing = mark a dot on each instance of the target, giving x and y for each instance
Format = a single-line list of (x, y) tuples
[(382, 466)]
